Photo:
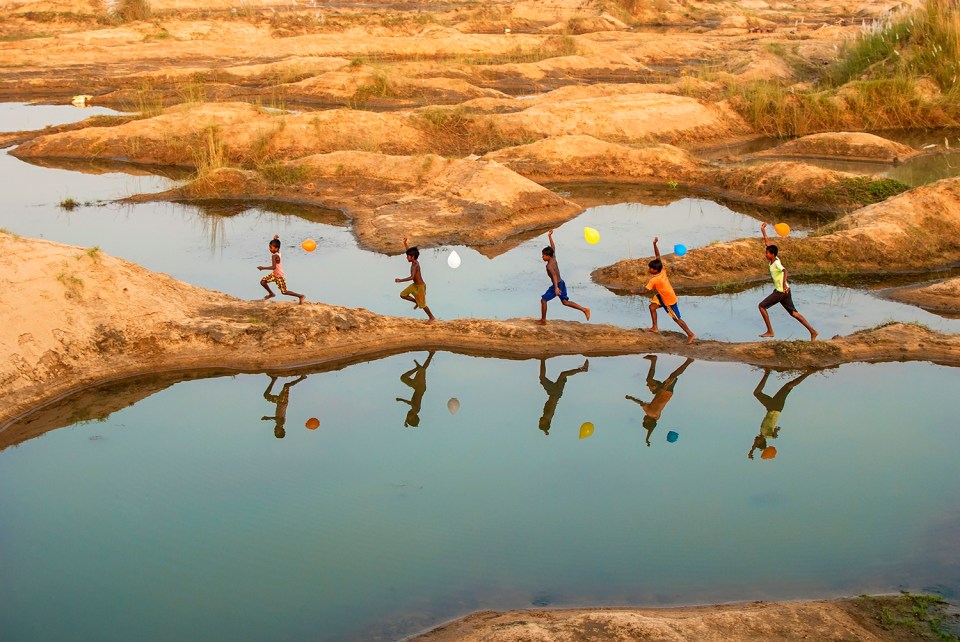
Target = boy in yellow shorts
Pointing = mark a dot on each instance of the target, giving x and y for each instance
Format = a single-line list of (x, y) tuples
[(416, 292), (664, 296)]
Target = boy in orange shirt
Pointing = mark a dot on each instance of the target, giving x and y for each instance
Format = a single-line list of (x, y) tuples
[(664, 296)]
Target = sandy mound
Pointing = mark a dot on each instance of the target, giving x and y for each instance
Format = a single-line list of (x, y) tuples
[(92, 319), (784, 183), (584, 158), (429, 199), (634, 118), (820, 620), (846, 145), (940, 296), (915, 231), (194, 134)]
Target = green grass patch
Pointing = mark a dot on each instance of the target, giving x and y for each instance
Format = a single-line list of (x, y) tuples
[(915, 615), (862, 190), (283, 173)]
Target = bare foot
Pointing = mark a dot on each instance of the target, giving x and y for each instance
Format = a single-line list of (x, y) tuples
[(542, 322), (814, 335), (301, 297), (431, 319), (766, 335), (269, 296), (586, 313), (654, 330), (691, 338)]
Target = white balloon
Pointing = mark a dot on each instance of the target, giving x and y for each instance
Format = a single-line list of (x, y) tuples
[(454, 259), (453, 405)]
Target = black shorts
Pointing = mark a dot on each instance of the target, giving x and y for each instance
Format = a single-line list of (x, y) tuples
[(783, 298)]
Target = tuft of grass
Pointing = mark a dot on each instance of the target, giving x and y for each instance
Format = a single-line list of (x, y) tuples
[(862, 190), (283, 173), (924, 42), (876, 83), (132, 11), (70, 281), (911, 614), (211, 153), (69, 204), (454, 132), (551, 47)]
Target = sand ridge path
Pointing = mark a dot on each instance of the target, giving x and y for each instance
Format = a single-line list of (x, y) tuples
[(91, 318)]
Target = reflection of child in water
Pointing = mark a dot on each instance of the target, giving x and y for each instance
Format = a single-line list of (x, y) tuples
[(555, 391), (662, 393), (774, 405), (416, 378), (281, 400)]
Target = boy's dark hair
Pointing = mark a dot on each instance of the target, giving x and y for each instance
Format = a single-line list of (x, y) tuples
[(548, 251), (275, 242), (656, 264), (414, 252), (773, 249)]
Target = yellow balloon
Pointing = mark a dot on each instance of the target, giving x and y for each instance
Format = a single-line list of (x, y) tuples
[(309, 245), (591, 235), (782, 229), (586, 430)]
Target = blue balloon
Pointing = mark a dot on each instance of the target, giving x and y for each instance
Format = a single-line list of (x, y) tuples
[(672, 436), (679, 249)]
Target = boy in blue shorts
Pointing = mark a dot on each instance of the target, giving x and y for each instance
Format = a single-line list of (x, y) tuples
[(557, 288), (664, 295)]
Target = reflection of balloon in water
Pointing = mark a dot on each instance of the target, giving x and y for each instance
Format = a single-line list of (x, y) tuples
[(586, 430), (672, 436), (782, 229), (679, 249), (768, 453), (453, 405), (313, 423), (453, 260), (591, 235), (309, 245)]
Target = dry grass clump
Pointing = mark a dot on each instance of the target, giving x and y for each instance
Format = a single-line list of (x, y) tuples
[(880, 81), (454, 132), (132, 10)]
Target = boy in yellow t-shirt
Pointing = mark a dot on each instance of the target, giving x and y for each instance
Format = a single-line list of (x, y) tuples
[(664, 296)]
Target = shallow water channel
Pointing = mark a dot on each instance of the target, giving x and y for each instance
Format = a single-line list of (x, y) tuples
[(163, 516), (176, 518)]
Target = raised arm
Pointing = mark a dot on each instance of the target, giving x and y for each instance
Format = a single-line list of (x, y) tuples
[(656, 250), (763, 230), (406, 246), (552, 244)]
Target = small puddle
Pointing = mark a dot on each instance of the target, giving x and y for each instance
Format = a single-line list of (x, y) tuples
[(432, 485)]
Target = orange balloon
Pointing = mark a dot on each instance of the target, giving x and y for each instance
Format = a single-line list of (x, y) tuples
[(768, 453), (782, 229), (309, 245), (313, 423)]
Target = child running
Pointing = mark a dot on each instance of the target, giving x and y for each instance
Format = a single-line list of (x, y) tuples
[(416, 292), (276, 275), (781, 290), (557, 288), (664, 296)]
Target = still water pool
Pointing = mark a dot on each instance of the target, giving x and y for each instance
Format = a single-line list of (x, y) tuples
[(177, 518), (182, 518)]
